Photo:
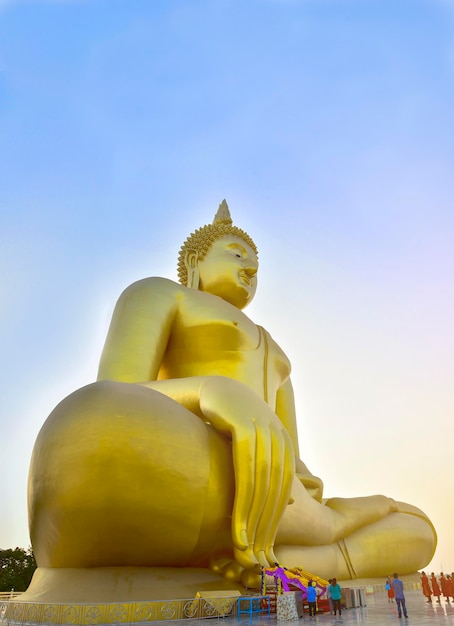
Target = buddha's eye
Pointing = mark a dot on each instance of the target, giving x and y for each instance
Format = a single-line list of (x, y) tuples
[(235, 251)]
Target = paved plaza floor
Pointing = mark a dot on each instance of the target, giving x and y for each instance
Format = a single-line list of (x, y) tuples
[(378, 612)]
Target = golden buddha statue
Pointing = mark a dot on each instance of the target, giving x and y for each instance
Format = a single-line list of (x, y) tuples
[(185, 454)]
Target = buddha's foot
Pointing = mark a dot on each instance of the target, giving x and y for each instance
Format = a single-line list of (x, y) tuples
[(359, 512)]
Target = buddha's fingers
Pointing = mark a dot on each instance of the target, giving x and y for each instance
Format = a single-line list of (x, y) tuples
[(262, 477), (269, 549), (283, 470), (225, 404), (243, 449), (273, 496), (261, 489)]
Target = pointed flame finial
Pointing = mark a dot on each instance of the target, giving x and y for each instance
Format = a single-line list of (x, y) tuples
[(223, 214)]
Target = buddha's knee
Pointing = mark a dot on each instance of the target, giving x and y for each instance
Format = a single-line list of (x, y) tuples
[(400, 542), (122, 475)]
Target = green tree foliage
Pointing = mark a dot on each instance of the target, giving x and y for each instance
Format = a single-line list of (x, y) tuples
[(16, 569)]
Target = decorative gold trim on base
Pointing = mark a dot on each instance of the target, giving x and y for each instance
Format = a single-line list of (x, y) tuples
[(12, 612)]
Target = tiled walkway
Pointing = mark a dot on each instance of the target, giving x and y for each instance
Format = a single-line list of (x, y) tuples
[(378, 612)]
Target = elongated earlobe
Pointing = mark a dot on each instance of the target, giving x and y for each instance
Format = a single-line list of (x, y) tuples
[(193, 278), (191, 262)]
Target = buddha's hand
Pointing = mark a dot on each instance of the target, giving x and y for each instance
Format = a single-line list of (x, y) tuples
[(264, 465)]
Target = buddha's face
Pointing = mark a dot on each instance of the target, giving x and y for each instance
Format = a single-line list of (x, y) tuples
[(229, 270)]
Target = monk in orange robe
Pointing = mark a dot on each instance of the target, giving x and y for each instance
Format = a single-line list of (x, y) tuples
[(427, 591), (444, 586), (450, 580), (435, 586)]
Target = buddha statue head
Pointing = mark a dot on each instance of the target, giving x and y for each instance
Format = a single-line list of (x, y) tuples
[(220, 258)]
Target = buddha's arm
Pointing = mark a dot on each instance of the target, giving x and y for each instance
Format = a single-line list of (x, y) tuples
[(139, 331), (285, 410)]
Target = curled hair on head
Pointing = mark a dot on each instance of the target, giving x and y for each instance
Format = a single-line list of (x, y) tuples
[(203, 238)]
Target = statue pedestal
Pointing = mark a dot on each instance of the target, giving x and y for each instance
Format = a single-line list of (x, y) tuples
[(122, 584), (112, 595)]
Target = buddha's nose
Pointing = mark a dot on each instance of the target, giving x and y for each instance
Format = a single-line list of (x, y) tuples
[(251, 271)]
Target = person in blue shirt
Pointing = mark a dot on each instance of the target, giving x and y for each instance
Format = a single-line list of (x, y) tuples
[(311, 598), (398, 587)]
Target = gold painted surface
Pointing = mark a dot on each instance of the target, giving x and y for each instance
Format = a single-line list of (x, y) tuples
[(185, 453)]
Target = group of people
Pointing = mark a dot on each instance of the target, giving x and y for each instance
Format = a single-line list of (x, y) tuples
[(333, 593), (395, 588), (432, 586)]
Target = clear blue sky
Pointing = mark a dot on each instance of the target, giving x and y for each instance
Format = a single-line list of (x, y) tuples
[(328, 127)]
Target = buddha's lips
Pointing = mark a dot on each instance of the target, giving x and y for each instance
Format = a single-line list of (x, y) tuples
[(245, 278)]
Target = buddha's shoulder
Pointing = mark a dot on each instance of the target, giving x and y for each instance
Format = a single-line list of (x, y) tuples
[(152, 287)]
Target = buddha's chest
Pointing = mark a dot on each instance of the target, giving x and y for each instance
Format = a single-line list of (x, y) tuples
[(216, 338), (210, 323)]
